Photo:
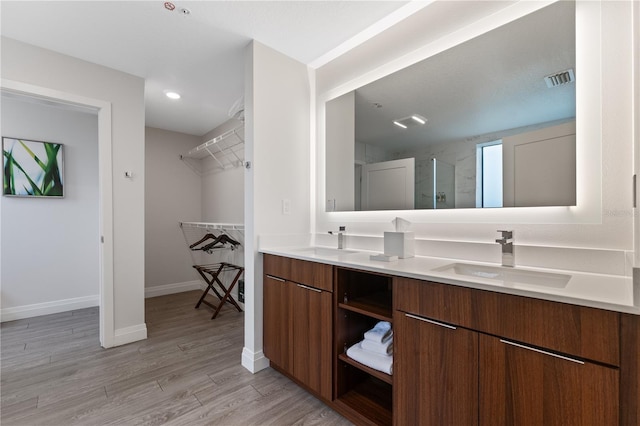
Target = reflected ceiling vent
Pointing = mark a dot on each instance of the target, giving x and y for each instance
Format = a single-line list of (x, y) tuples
[(560, 78), (412, 120)]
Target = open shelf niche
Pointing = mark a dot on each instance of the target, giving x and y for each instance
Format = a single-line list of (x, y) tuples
[(361, 299)]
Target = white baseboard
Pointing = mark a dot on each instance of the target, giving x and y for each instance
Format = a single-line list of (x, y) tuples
[(162, 290), (122, 336), (47, 308), (254, 361)]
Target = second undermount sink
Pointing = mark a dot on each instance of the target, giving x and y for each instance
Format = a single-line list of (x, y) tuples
[(325, 251), (506, 274)]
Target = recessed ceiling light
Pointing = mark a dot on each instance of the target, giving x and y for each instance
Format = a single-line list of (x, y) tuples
[(410, 121), (419, 119), (172, 95)]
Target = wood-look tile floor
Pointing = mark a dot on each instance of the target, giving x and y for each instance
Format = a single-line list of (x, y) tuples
[(188, 372)]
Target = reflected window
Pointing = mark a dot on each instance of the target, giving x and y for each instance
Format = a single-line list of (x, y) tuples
[(489, 165)]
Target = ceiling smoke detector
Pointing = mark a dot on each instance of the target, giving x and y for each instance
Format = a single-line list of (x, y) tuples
[(185, 11), (560, 78)]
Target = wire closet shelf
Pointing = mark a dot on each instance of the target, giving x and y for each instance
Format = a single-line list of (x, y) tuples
[(226, 150), (214, 226)]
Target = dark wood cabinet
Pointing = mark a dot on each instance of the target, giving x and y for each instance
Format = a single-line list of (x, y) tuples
[(629, 369), (522, 385), (579, 330), (298, 323), (311, 337), (536, 362), (277, 320), (462, 356), (436, 373)]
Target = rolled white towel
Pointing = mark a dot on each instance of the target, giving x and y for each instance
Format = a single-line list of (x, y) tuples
[(378, 362), (380, 333), (378, 348)]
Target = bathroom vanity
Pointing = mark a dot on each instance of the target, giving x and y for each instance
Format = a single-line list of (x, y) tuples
[(468, 350)]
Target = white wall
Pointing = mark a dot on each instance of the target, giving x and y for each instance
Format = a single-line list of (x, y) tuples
[(222, 190), (43, 68), (636, 65), (277, 101), (173, 194), (341, 115), (462, 155), (597, 235), (50, 246)]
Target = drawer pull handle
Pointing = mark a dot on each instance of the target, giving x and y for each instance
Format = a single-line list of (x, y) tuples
[(542, 352), (276, 278), (432, 322), (309, 288)]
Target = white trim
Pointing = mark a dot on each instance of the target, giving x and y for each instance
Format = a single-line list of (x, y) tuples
[(383, 24), (589, 58), (105, 171), (47, 308), (122, 336), (254, 361), (106, 301), (161, 290)]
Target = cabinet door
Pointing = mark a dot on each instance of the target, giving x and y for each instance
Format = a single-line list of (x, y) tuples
[(277, 320), (435, 373), (521, 385), (312, 344)]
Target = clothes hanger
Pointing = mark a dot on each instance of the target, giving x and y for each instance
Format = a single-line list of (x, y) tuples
[(227, 238), (208, 236), (221, 239)]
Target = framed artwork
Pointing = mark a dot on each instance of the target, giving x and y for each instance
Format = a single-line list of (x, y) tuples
[(32, 168)]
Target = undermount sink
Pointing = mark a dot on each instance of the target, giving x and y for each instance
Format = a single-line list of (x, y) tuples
[(506, 274), (325, 251)]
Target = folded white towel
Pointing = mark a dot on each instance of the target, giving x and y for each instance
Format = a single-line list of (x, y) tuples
[(378, 348), (380, 333), (378, 362)]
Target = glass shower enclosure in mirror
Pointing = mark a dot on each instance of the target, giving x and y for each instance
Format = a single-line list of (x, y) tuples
[(428, 136)]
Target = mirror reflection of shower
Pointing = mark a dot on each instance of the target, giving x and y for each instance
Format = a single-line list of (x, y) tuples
[(444, 181)]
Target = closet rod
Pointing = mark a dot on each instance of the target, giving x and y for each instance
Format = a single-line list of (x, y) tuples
[(211, 225)]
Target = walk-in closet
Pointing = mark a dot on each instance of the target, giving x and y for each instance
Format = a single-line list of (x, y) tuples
[(195, 226)]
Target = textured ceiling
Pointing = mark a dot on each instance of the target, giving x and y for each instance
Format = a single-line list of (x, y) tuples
[(200, 55)]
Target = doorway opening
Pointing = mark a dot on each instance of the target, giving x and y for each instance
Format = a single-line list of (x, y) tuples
[(104, 234)]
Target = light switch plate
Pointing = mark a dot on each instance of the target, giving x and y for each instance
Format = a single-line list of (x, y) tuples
[(286, 206)]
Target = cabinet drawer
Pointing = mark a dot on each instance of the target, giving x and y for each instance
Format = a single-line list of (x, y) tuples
[(580, 331), (442, 302), (313, 274), (276, 266)]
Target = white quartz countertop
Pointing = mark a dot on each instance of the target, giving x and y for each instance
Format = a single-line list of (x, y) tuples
[(610, 292)]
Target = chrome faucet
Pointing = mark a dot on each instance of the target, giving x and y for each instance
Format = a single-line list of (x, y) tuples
[(508, 255), (341, 231)]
